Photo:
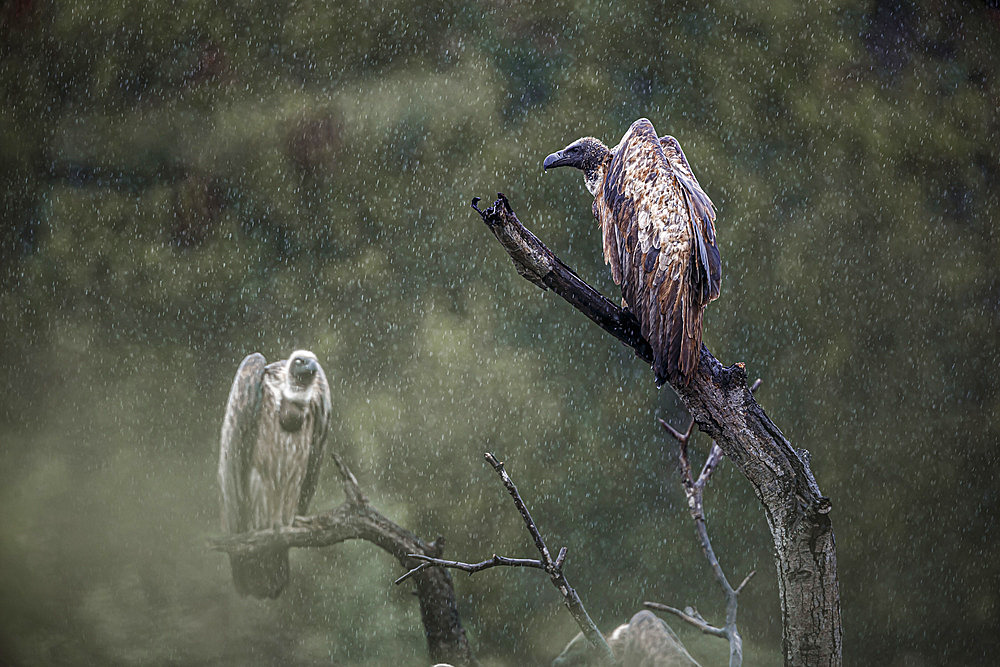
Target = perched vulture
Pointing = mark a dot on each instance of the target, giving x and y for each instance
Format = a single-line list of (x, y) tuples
[(273, 435), (659, 238), (645, 641)]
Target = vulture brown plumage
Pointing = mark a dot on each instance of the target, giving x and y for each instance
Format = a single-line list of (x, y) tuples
[(658, 227)]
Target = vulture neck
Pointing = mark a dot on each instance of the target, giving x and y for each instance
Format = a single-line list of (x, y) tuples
[(297, 395), (593, 177)]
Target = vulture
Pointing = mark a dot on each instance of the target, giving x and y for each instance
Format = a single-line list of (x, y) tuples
[(273, 436), (658, 227)]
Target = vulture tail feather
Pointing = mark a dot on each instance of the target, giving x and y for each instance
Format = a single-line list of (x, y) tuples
[(678, 354), (690, 355), (262, 575)]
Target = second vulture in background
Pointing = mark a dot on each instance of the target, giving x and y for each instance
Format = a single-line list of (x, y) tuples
[(659, 238), (273, 437)]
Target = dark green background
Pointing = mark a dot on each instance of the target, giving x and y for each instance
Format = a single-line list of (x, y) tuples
[(184, 184)]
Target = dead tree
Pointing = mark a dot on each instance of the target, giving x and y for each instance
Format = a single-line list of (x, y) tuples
[(357, 519), (721, 404)]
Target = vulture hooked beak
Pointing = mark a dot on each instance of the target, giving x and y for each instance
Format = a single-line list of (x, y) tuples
[(303, 370), (554, 160)]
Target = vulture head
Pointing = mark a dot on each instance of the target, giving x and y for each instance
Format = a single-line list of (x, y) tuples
[(301, 371), (587, 154)]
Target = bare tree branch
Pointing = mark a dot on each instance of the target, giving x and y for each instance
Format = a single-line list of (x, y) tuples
[(553, 567), (722, 405), (536, 263), (356, 519), (351, 487), (712, 461), (696, 621), (746, 580), (471, 568), (528, 521), (677, 434)]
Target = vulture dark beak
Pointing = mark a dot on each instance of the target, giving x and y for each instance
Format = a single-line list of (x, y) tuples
[(304, 371), (554, 160)]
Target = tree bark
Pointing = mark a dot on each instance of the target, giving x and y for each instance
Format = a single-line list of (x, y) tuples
[(722, 405)]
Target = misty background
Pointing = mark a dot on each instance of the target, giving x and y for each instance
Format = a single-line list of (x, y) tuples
[(186, 183)]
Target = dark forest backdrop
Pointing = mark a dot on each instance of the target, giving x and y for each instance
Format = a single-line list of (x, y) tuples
[(184, 183)]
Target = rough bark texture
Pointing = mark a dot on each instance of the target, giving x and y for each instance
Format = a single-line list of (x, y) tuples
[(722, 405), (356, 519)]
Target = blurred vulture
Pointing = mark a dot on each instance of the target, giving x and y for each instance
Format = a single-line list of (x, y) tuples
[(273, 435), (659, 238), (645, 641)]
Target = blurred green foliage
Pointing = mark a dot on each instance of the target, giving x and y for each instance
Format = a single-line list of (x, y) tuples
[(184, 183)]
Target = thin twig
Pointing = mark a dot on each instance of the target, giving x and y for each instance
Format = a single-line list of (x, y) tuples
[(745, 581), (561, 557), (715, 456), (525, 514), (682, 437), (351, 487), (410, 573), (697, 622)]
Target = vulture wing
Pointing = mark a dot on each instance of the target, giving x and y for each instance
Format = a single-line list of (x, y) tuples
[(320, 410), (708, 275), (659, 239), (239, 435)]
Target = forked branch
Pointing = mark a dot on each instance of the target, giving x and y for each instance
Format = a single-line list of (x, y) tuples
[(554, 567), (694, 490)]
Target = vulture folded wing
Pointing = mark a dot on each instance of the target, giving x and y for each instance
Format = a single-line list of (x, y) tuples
[(239, 433), (320, 410), (707, 278), (646, 220)]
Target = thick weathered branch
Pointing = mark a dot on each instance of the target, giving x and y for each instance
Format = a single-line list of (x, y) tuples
[(356, 519), (536, 263), (720, 402), (552, 567)]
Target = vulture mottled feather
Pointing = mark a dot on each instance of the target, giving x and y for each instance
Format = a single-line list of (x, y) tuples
[(645, 641), (658, 229), (273, 437)]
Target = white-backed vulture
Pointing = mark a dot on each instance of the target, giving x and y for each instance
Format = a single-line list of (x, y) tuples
[(658, 227), (273, 437)]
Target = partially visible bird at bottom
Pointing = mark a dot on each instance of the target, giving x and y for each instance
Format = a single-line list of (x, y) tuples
[(645, 641), (273, 436)]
